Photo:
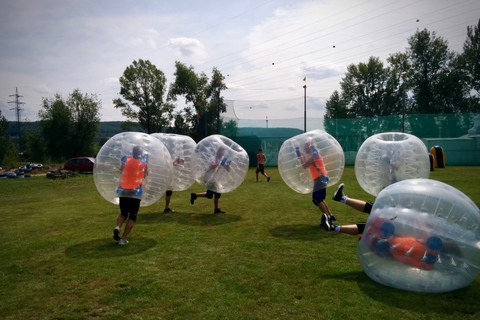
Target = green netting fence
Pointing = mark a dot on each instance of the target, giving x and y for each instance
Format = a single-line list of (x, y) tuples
[(433, 129)]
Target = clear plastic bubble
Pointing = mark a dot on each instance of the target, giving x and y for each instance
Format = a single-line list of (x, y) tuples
[(231, 159), (422, 235), (119, 148), (316, 143), (389, 157), (181, 149)]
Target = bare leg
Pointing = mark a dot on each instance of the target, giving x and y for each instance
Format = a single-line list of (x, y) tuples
[(120, 220), (167, 202), (324, 208), (128, 228), (351, 229), (356, 204), (215, 202)]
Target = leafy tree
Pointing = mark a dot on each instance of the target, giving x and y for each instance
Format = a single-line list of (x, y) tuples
[(70, 126), (142, 85), (4, 137), (366, 90), (203, 99), (36, 149), (229, 128), (437, 88), (471, 56)]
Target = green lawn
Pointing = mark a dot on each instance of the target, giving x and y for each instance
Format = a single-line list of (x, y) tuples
[(266, 258)]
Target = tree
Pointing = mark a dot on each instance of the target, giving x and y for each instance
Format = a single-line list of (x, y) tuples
[(143, 86), (36, 149), (203, 99), (70, 126), (4, 137), (366, 90), (471, 56), (435, 87)]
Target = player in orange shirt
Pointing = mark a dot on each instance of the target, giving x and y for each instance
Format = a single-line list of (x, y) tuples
[(134, 171), (312, 160)]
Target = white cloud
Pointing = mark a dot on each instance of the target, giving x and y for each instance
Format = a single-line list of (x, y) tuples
[(188, 48)]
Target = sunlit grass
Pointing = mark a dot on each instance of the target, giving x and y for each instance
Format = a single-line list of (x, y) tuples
[(266, 258)]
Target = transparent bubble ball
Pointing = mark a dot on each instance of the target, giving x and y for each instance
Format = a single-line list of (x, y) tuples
[(107, 174), (220, 164), (422, 235), (181, 149), (290, 165), (389, 157)]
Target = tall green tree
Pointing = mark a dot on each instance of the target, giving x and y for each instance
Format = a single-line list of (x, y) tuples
[(143, 87), (203, 98), (437, 88), (70, 126), (471, 56), (366, 90)]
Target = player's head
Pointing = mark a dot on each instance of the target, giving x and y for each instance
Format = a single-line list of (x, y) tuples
[(309, 145), (220, 152), (137, 152)]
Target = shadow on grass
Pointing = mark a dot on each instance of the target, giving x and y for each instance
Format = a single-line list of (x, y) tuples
[(191, 219), (109, 248), (298, 232), (459, 302)]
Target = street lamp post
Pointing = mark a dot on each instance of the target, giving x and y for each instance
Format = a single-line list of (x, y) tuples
[(305, 108)]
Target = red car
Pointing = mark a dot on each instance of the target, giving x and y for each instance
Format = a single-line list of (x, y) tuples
[(80, 164)]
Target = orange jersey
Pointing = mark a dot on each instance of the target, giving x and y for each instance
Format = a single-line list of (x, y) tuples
[(133, 173), (411, 252), (317, 168)]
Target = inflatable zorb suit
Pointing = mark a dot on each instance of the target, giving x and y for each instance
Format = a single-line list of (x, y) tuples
[(231, 164), (389, 157), (147, 153), (422, 235), (181, 149), (326, 169)]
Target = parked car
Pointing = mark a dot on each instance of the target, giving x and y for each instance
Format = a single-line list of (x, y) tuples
[(80, 164)]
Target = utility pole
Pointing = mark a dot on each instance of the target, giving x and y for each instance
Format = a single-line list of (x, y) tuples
[(305, 108), (17, 112)]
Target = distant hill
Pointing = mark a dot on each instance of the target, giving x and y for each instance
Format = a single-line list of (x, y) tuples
[(107, 128)]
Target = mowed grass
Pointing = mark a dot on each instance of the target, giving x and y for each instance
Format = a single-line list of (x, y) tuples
[(267, 258)]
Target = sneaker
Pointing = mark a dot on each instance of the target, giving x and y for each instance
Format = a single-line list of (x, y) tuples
[(168, 210), (325, 223), (268, 179), (338, 195), (122, 242), (193, 197), (331, 218), (116, 234), (218, 211)]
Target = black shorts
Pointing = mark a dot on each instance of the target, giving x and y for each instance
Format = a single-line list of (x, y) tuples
[(261, 169), (129, 208)]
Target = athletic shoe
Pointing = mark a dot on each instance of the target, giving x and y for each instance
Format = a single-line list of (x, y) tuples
[(122, 242), (325, 223), (338, 195), (116, 234), (193, 197), (331, 218), (268, 179), (218, 211), (168, 210)]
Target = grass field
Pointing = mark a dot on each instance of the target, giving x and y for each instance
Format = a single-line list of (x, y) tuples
[(266, 258)]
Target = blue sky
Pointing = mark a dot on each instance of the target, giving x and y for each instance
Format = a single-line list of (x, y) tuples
[(264, 47)]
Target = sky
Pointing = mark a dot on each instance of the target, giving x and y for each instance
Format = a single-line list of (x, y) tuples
[(264, 48)]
